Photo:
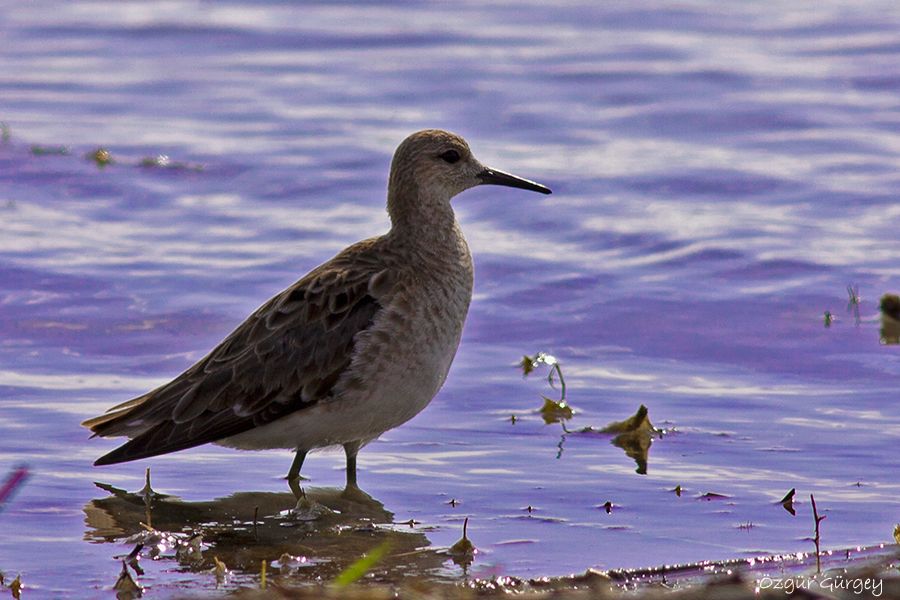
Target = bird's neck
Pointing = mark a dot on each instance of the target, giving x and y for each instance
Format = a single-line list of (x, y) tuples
[(419, 219)]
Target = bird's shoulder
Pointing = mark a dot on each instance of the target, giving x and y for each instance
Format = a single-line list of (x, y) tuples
[(297, 343)]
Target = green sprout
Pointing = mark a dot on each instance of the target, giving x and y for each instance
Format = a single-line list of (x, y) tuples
[(359, 568)]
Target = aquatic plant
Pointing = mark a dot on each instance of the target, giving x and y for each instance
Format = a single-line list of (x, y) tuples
[(634, 435), (38, 150), (853, 301), (362, 566), (101, 157), (463, 551), (818, 519), (788, 502), (890, 319), (126, 587), (552, 411), (16, 587)]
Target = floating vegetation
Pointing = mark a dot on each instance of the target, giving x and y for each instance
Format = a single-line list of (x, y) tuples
[(890, 306), (788, 502), (132, 558), (828, 318), (186, 546), (552, 411), (710, 496), (463, 551), (189, 550), (639, 421), (220, 570), (890, 319), (853, 301), (634, 435), (15, 586), (100, 157), (50, 150), (555, 411), (529, 363), (162, 161), (126, 587)]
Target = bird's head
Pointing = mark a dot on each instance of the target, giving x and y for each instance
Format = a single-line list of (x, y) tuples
[(433, 166)]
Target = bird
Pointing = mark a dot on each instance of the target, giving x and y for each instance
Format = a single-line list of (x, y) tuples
[(358, 346)]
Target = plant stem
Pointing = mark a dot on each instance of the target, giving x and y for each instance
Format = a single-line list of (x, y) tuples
[(818, 520)]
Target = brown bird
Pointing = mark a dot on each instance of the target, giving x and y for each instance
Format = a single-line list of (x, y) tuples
[(358, 346)]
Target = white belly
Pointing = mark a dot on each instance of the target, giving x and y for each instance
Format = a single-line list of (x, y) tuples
[(399, 365)]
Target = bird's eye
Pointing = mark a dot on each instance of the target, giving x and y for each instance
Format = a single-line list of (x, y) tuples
[(450, 156)]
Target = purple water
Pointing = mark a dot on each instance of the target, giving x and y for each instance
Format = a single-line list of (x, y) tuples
[(721, 174)]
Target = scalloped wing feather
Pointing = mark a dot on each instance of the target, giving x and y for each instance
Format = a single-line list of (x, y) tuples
[(285, 357)]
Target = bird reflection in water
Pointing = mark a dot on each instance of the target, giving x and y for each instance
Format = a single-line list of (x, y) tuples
[(247, 528)]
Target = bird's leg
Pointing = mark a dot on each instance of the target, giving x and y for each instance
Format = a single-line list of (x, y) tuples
[(351, 449), (352, 491), (293, 476)]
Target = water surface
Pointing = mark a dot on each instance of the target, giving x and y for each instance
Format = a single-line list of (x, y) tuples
[(721, 173)]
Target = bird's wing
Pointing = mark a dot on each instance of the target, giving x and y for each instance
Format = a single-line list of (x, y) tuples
[(285, 357)]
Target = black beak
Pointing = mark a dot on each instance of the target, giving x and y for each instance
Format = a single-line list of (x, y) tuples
[(495, 177)]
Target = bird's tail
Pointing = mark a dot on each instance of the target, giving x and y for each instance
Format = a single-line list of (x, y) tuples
[(114, 422)]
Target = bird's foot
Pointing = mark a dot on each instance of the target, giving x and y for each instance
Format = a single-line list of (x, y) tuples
[(355, 494), (296, 489)]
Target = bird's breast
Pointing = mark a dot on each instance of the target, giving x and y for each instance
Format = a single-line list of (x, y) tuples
[(401, 361)]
